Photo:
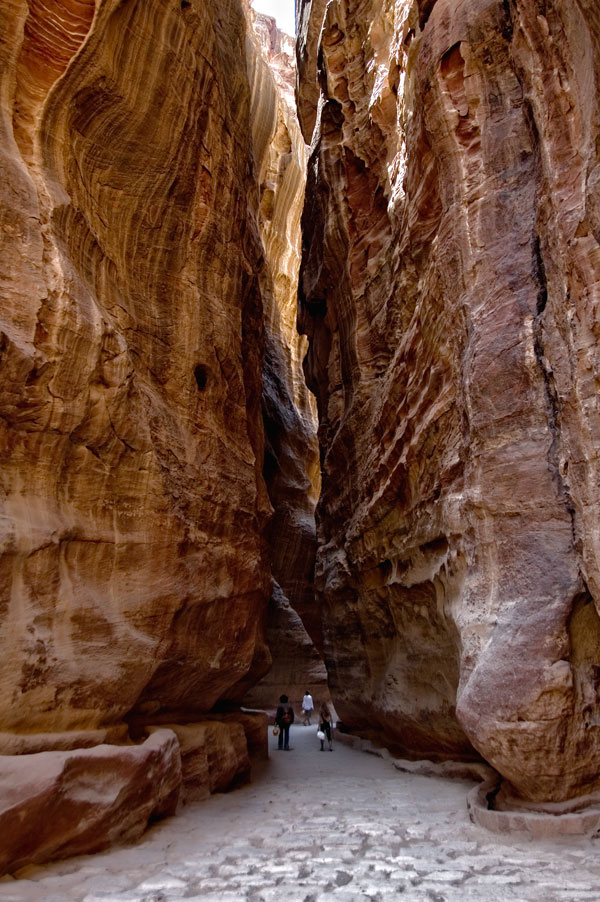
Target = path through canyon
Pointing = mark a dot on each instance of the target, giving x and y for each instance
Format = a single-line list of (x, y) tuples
[(315, 826)]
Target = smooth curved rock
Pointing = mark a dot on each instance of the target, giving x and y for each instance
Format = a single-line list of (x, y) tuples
[(151, 183), (55, 804), (135, 568)]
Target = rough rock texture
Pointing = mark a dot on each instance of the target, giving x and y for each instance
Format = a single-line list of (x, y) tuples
[(214, 756), (55, 804), (449, 290), (291, 468), (309, 19), (297, 665), (279, 50), (254, 724)]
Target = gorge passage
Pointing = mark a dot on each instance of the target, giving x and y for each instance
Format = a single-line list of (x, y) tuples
[(293, 391)]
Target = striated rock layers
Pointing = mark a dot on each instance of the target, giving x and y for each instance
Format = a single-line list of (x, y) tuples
[(291, 468), (139, 308), (133, 563), (450, 287)]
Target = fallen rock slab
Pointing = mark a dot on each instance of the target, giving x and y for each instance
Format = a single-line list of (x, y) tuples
[(214, 757), (57, 804), (31, 743), (255, 726)]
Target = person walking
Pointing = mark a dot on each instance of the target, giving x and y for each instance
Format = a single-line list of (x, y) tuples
[(308, 707), (284, 718), (325, 727)]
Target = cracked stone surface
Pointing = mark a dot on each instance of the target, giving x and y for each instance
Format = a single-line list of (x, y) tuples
[(315, 826)]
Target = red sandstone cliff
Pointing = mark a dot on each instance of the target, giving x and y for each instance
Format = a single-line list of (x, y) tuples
[(149, 247), (450, 293)]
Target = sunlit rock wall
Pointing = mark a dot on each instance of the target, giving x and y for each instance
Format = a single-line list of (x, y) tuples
[(134, 564), (450, 287), (152, 179)]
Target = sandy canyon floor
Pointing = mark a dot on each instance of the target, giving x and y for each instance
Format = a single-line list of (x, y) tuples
[(315, 826)]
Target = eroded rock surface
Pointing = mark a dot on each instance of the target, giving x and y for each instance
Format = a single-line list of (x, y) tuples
[(292, 470), (214, 756), (131, 420), (450, 291), (151, 186), (297, 665), (55, 804)]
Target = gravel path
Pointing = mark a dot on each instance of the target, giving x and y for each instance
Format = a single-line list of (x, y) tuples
[(313, 826)]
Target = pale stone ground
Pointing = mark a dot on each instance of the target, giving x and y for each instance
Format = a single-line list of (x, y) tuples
[(314, 826)]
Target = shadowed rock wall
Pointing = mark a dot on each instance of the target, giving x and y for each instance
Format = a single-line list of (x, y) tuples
[(449, 290), (291, 469)]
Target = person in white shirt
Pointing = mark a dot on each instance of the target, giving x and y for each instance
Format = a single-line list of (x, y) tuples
[(307, 708)]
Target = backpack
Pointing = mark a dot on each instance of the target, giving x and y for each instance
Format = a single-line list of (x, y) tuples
[(286, 718)]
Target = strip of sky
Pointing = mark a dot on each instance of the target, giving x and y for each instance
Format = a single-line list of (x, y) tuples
[(282, 10)]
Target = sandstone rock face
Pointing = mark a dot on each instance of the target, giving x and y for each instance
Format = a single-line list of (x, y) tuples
[(291, 469), (297, 665), (151, 186), (279, 51), (450, 287), (55, 804), (254, 725), (134, 563), (213, 757), (309, 19)]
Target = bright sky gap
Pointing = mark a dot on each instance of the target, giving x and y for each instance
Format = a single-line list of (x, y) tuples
[(282, 10)]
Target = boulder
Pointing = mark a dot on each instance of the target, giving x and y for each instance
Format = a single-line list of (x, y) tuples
[(214, 757), (56, 804)]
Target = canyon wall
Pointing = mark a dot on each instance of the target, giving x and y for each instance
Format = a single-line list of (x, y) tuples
[(146, 283), (449, 289), (133, 502), (291, 468)]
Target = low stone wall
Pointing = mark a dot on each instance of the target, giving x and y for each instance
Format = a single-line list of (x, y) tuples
[(537, 824), (457, 770)]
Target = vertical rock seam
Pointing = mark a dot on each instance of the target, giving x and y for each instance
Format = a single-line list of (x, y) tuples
[(291, 468)]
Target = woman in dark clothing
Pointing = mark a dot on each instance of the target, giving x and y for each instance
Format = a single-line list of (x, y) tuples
[(325, 726), (284, 718)]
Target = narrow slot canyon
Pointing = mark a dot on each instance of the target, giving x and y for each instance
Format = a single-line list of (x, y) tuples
[(299, 391)]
